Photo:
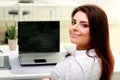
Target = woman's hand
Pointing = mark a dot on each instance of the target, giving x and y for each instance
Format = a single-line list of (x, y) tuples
[(45, 79)]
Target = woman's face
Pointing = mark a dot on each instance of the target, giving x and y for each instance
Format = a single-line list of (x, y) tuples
[(79, 31)]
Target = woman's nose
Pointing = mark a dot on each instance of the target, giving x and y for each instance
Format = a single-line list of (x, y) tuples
[(76, 27)]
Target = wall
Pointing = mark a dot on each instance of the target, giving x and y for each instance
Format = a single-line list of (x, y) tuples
[(111, 7)]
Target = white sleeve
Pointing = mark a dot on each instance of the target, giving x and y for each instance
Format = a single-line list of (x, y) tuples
[(67, 70), (58, 72)]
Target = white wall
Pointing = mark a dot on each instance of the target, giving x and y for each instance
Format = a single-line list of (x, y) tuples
[(111, 7)]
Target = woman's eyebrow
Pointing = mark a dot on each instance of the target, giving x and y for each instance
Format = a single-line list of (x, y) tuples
[(73, 19), (82, 21)]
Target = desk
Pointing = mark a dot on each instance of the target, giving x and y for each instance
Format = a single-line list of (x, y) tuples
[(7, 75)]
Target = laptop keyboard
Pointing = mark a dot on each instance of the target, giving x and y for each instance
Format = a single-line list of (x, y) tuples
[(40, 56)]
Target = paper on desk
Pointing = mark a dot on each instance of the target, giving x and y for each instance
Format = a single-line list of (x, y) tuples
[(1, 61)]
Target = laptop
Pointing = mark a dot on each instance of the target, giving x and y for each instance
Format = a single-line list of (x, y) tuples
[(39, 42)]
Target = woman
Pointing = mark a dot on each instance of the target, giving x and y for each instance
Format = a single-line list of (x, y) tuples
[(93, 59)]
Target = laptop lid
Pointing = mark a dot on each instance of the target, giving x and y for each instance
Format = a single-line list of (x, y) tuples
[(35, 37)]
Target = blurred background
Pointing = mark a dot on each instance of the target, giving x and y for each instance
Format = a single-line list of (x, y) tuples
[(36, 10)]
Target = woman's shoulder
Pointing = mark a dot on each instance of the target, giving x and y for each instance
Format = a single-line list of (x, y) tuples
[(65, 64), (62, 67), (80, 64), (66, 61)]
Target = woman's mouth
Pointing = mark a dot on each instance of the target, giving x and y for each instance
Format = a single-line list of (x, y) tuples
[(74, 35)]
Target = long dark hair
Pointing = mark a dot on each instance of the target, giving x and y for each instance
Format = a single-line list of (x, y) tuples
[(99, 36)]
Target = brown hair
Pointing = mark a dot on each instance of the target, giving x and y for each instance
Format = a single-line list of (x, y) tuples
[(99, 35)]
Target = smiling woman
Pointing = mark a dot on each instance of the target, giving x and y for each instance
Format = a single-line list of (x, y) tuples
[(92, 59), (79, 31)]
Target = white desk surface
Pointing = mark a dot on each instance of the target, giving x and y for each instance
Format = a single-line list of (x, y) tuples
[(8, 74)]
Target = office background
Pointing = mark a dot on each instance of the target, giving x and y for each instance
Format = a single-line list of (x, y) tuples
[(58, 10), (41, 10)]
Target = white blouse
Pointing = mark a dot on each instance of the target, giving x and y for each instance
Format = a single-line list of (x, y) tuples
[(78, 67)]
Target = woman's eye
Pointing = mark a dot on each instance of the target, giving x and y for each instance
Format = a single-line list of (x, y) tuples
[(73, 22), (84, 25)]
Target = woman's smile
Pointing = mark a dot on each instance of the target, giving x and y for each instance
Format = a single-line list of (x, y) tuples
[(75, 35)]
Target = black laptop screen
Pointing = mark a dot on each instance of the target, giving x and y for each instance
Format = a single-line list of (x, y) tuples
[(38, 36)]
